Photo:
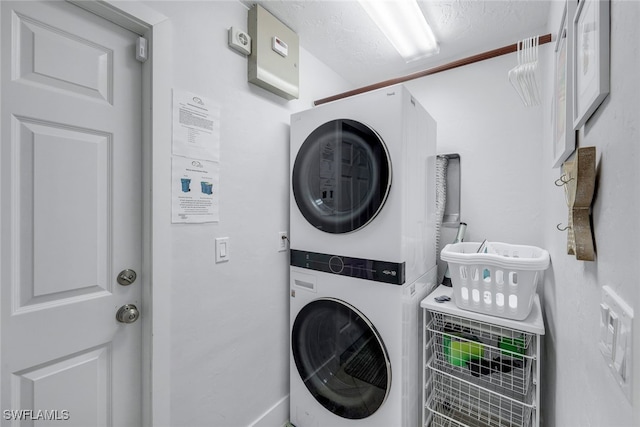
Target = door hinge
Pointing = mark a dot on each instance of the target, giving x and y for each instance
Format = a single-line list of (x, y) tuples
[(142, 50)]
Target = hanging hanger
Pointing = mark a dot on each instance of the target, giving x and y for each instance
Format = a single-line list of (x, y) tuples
[(514, 73), (524, 76)]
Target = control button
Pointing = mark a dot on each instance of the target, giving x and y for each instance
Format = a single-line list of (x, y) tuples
[(336, 265)]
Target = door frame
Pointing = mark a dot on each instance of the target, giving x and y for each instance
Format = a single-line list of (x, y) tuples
[(156, 169)]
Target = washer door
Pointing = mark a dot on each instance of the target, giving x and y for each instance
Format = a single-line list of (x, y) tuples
[(341, 358), (341, 176)]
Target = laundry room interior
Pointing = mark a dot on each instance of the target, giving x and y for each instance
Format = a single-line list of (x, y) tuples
[(221, 346), (229, 357)]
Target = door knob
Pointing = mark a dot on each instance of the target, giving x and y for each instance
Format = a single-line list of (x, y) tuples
[(128, 313), (126, 277)]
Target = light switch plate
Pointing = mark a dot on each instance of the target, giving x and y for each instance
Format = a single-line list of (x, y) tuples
[(619, 355), (222, 249)]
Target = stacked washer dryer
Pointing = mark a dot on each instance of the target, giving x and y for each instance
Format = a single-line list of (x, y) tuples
[(363, 256)]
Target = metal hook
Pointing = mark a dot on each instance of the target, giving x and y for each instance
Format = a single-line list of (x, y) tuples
[(562, 229), (560, 181)]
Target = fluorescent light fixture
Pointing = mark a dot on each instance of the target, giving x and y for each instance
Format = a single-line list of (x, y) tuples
[(404, 25)]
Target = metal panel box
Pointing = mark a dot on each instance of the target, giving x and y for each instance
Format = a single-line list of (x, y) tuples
[(273, 63)]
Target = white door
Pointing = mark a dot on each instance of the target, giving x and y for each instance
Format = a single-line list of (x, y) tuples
[(70, 217)]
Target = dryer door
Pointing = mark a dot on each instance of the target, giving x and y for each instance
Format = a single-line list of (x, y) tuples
[(341, 176), (341, 358)]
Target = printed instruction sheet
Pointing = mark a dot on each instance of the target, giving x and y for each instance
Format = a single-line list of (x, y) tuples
[(196, 126), (194, 190)]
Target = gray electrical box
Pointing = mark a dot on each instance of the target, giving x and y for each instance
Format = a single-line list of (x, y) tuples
[(273, 63)]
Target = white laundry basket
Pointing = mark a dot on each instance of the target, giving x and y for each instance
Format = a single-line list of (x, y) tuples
[(500, 281)]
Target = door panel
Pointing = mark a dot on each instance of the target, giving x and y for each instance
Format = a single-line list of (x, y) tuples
[(78, 383), (62, 186), (70, 217), (42, 54)]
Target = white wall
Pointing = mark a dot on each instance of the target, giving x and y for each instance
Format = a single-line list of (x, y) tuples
[(229, 322), (578, 388), (480, 116)]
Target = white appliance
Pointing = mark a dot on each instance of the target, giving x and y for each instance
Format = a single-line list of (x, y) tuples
[(363, 187), (355, 350)]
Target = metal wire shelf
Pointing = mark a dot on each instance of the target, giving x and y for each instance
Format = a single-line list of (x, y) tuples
[(439, 420), (497, 358), (455, 402)]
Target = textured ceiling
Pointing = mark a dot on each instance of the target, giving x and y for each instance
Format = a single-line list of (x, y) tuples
[(342, 35)]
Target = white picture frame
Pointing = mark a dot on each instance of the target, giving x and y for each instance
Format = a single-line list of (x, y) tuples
[(590, 58), (564, 136)]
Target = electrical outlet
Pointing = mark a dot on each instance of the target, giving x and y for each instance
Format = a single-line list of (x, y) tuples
[(283, 241), (616, 333)]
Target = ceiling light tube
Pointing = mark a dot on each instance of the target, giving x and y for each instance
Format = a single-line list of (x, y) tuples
[(405, 26)]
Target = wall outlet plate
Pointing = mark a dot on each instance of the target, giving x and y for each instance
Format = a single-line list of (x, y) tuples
[(616, 341), (240, 41), (283, 241)]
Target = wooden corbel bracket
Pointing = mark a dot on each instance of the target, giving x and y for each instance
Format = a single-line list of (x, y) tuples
[(579, 179)]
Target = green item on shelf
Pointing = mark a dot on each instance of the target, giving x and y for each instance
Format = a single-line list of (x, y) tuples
[(460, 352), (510, 346)]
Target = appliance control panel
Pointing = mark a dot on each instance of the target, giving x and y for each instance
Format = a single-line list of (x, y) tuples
[(378, 271)]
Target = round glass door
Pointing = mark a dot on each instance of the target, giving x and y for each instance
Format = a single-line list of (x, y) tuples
[(341, 358), (341, 176)]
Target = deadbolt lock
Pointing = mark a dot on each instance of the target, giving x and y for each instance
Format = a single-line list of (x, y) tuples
[(126, 277), (128, 313)]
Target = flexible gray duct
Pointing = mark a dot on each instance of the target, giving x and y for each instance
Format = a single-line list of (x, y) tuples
[(441, 194)]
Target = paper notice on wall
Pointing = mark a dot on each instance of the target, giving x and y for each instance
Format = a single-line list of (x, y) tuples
[(194, 190), (196, 126)]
